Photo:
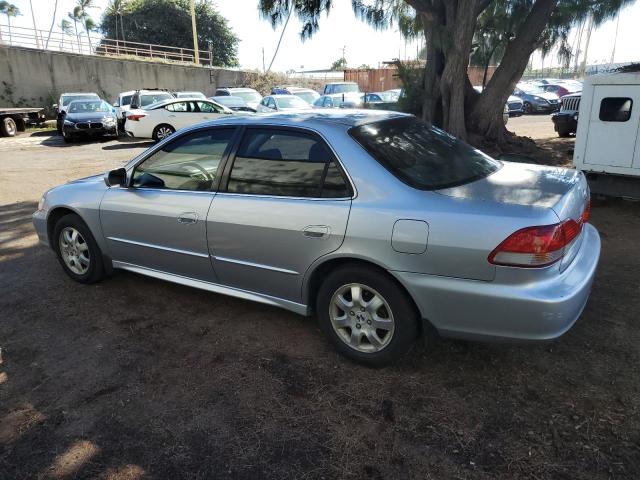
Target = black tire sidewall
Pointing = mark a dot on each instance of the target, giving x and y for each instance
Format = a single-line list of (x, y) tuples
[(96, 267), (403, 310), (8, 124), (155, 131)]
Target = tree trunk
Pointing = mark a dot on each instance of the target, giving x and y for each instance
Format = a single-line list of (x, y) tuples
[(486, 116), (53, 22), (432, 68), (462, 17)]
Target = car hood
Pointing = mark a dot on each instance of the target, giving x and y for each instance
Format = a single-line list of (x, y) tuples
[(513, 98), (547, 95), (92, 179), (521, 184), (88, 117)]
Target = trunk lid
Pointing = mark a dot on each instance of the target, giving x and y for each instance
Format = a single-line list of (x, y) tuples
[(563, 190)]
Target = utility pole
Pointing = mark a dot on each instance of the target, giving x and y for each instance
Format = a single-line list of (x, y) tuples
[(195, 32)]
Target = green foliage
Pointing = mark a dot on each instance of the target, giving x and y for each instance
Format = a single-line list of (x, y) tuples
[(412, 76), (339, 64), (168, 22)]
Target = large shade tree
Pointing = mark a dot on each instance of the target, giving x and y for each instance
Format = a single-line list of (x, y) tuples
[(448, 27), (168, 22)]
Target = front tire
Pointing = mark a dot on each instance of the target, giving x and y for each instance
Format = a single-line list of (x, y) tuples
[(366, 315), (527, 108), (77, 250), (162, 131)]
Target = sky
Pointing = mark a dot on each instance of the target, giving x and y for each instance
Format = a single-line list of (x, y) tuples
[(339, 30)]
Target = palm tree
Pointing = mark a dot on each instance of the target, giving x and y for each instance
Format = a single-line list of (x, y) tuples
[(65, 26), (10, 10), (85, 19), (53, 22), (117, 8), (75, 19), (35, 28)]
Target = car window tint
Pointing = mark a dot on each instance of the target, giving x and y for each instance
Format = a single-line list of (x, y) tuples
[(615, 109), (206, 107), (422, 157), (177, 107), (188, 163), (335, 185), (279, 163)]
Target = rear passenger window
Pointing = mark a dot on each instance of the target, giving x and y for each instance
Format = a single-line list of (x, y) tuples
[(615, 109), (287, 164)]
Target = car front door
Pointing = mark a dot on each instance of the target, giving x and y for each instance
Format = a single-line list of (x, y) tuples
[(159, 220), (209, 110), (284, 203)]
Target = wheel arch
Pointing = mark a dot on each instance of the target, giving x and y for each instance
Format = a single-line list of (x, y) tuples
[(314, 278)]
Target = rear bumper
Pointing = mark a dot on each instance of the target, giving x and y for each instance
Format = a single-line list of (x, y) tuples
[(535, 311)]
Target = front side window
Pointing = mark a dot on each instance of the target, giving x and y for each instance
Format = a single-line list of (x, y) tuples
[(422, 157), (206, 107), (615, 109), (288, 164), (188, 163)]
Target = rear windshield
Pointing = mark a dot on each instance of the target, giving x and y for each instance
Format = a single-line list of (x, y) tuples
[(422, 157), (148, 99)]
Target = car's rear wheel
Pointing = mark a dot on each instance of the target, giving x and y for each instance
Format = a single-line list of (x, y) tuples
[(163, 131), (366, 315), (8, 127), (77, 250)]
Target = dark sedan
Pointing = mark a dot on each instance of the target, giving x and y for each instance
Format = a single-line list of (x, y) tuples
[(89, 118)]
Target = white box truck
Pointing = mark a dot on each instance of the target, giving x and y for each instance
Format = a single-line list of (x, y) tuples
[(608, 138)]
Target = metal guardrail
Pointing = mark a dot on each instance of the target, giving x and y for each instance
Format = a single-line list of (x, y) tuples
[(92, 45)]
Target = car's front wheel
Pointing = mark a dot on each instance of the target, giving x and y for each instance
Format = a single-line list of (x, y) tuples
[(527, 108), (77, 250), (8, 127), (366, 315), (163, 131)]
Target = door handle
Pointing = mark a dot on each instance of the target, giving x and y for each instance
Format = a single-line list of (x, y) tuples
[(316, 231), (188, 218)]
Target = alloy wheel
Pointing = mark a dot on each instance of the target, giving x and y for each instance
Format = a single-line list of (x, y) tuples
[(74, 251), (164, 132), (361, 318)]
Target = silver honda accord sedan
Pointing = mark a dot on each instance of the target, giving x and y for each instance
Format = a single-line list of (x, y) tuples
[(384, 228)]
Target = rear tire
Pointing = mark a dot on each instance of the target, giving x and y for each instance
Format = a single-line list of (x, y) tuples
[(77, 250), (8, 127), (375, 327), (162, 131)]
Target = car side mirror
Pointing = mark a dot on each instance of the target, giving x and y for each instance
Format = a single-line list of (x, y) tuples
[(116, 178)]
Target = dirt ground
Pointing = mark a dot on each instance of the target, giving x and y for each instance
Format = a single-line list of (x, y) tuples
[(134, 378)]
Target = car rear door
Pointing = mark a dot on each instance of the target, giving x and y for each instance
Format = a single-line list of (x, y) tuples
[(159, 220), (283, 203)]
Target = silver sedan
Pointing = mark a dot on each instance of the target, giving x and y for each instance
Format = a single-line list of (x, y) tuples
[(382, 227)]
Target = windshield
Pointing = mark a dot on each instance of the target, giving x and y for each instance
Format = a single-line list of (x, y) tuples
[(66, 100), (148, 99), (345, 88), (94, 106), (190, 95), (248, 96), (422, 157), (308, 97), (291, 101), (530, 88)]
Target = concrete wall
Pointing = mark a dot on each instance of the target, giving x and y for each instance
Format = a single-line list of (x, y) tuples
[(30, 77)]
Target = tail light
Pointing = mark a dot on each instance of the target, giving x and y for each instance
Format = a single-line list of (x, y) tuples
[(586, 213), (536, 246), (136, 116)]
